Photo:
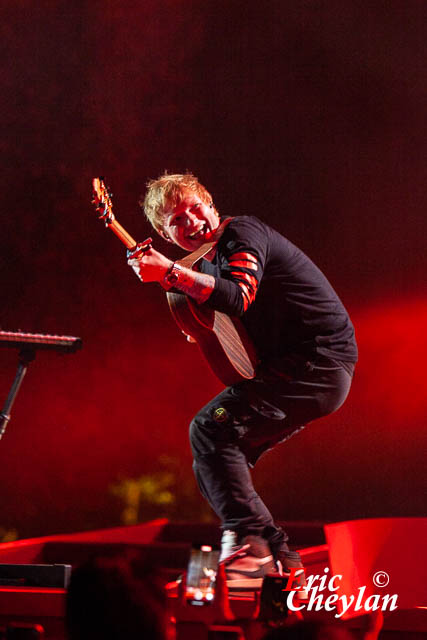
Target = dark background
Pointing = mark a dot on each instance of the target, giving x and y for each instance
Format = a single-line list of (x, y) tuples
[(311, 115)]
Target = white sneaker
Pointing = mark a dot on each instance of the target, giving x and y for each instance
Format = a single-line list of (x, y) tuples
[(246, 562)]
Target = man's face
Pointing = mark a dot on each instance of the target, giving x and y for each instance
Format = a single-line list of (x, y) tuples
[(191, 223)]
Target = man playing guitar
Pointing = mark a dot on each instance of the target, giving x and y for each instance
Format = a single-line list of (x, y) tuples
[(306, 353)]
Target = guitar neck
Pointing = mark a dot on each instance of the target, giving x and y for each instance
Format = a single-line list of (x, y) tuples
[(122, 234)]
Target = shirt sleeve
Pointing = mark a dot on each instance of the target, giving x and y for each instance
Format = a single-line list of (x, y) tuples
[(241, 257)]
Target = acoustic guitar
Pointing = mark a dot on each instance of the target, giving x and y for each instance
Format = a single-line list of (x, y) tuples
[(222, 339)]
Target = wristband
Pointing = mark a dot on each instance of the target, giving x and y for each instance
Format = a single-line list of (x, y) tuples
[(173, 274)]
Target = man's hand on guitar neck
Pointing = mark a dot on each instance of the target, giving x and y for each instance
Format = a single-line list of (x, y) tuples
[(150, 266), (153, 266)]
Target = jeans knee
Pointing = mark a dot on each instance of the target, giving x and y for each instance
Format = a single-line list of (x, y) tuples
[(194, 432), (201, 436), (211, 430)]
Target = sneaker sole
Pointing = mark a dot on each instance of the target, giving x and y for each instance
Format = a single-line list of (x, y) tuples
[(245, 584)]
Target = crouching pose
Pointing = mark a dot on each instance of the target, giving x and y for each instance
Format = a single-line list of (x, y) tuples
[(305, 346)]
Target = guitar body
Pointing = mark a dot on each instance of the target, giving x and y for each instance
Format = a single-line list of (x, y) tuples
[(223, 340)]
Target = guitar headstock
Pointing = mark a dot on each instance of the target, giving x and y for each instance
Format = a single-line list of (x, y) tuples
[(101, 198)]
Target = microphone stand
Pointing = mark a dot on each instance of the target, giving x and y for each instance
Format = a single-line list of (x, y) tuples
[(25, 357)]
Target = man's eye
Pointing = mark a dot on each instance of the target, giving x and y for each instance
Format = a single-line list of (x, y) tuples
[(196, 205)]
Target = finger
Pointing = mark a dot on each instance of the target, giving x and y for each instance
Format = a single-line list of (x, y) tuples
[(138, 275)]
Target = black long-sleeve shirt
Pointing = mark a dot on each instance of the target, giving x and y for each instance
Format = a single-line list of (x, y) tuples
[(285, 302)]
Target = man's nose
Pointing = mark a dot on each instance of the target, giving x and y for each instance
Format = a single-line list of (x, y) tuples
[(189, 218)]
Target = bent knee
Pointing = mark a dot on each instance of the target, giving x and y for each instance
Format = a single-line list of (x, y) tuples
[(194, 431), (210, 430), (201, 435)]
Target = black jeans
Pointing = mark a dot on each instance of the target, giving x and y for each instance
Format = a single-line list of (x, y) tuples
[(245, 420)]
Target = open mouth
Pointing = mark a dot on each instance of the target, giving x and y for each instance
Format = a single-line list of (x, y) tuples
[(199, 232)]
